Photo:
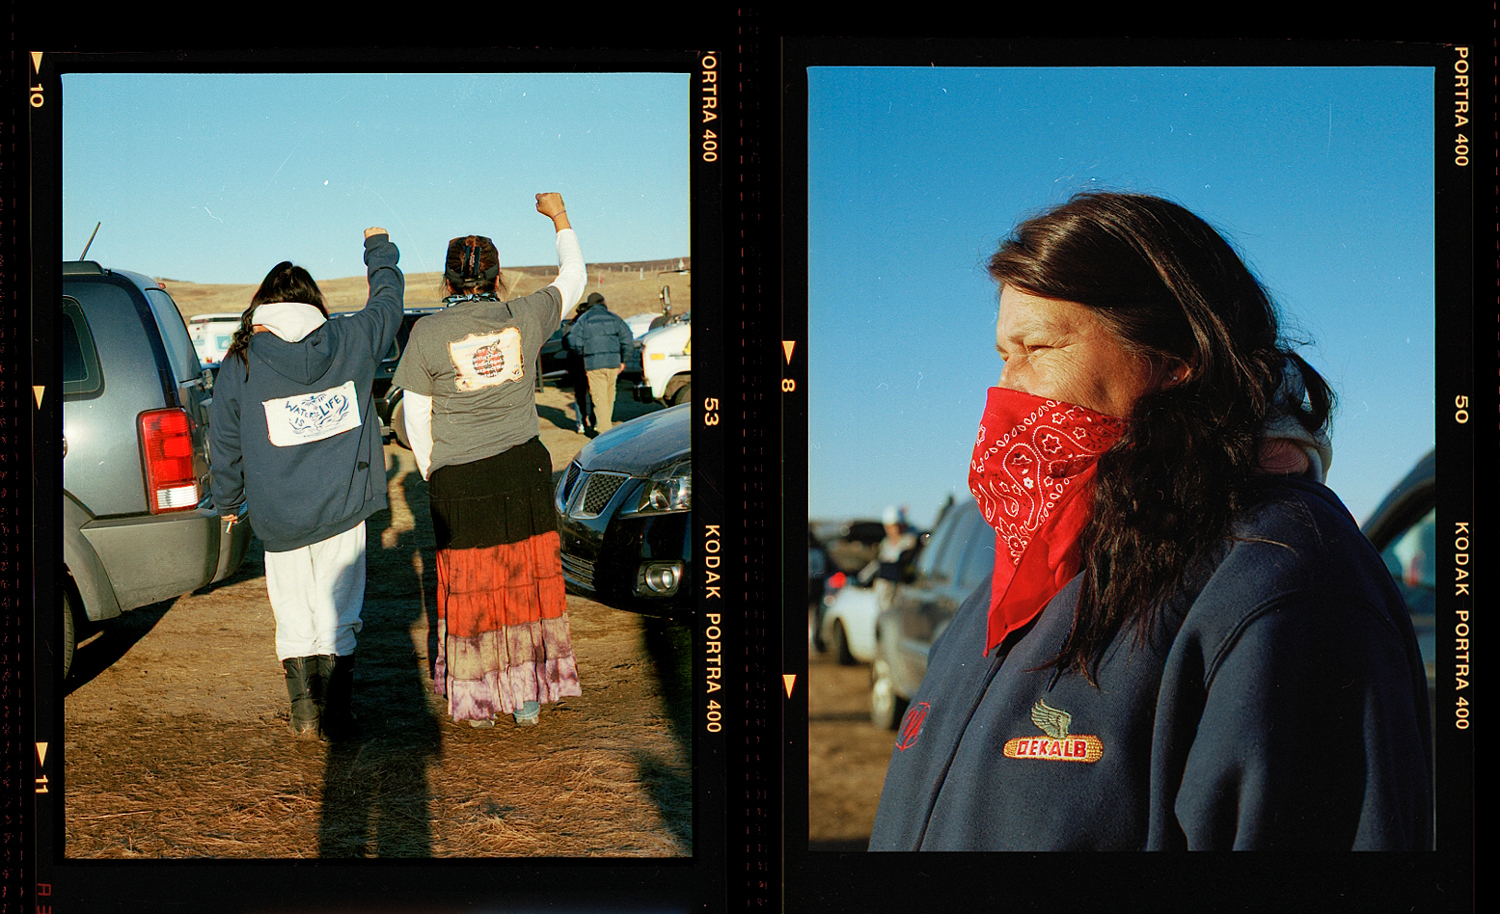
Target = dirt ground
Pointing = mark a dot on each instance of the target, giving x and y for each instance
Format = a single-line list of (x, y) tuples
[(176, 741), (846, 755)]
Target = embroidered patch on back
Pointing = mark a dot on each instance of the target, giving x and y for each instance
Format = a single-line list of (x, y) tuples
[(486, 359), (1058, 745), (305, 418), (911, 725)]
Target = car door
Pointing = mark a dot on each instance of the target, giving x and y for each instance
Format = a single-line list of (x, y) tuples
[(926, 604), (974, 565)]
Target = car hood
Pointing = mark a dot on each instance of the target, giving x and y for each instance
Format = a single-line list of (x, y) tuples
[(642, 446)]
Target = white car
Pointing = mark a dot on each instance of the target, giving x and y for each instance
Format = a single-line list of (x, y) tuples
[(849, 623), (211, 334)]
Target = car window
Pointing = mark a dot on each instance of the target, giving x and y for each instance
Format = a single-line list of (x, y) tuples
[(181, 354), (956, 531), (1411, 558), (968, 530), (934, 548), (979, 556), (82, 376)]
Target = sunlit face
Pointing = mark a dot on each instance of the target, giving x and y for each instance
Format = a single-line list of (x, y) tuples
[(1062, 351)]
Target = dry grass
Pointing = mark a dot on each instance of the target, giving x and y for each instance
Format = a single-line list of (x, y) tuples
[(628, 288)]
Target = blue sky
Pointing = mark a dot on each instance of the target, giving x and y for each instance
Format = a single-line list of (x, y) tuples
[(215, 178), (1322, 177)]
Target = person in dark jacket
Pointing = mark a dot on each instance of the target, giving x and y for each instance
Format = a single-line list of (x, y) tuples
[(295, 437), (1186, 642), (605, 341), (578, 379)]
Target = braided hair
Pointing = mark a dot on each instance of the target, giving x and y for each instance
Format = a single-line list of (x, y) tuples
[(473, 267)]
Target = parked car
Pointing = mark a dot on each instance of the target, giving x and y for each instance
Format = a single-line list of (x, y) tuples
[(624, 515), (385, 395), (849, 616), (211, 335), (955, 560), (554, 356), (667, 364), (139, 523), (1404, 528)]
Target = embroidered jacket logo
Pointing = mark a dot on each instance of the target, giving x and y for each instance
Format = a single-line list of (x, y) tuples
[(1058, 745), (911, 725)]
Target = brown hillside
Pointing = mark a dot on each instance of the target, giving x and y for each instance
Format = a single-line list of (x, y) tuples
[(628, 288)]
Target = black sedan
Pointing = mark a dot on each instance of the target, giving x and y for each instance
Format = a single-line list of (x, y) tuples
[(624, 514), (386, 396)]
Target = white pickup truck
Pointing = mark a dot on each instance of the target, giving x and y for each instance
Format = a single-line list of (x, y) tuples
[(666, 364)]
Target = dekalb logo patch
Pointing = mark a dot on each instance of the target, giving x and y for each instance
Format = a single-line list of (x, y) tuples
[(1058, 745)]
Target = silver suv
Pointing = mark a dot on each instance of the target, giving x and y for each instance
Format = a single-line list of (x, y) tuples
[(139, 524)]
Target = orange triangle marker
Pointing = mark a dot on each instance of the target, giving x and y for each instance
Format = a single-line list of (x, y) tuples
[(790, 681)]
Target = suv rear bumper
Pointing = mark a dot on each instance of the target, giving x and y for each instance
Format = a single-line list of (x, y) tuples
[(153, 558)]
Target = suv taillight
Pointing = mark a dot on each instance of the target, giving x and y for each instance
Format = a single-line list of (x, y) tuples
[(167, 453)]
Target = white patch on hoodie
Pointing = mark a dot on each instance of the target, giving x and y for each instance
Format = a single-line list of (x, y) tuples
[(305, 418), (486, 359)]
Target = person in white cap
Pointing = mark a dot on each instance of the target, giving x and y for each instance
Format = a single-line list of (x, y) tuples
[(893, 558)]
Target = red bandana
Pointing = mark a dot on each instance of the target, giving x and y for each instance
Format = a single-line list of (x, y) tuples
[(1032, 475)]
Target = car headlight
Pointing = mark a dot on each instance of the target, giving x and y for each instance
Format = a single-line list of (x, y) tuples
[(667, 491)]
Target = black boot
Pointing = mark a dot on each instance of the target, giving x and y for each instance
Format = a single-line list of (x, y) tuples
[(337, 673), (304, 688)]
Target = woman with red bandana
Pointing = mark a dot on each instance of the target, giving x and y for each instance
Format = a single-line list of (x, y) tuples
[(1187, 643)]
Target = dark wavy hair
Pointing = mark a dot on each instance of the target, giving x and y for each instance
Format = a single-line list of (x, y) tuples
[(286, 282), (1176, 293)]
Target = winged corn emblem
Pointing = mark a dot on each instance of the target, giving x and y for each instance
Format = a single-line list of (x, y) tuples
[(1050, 720)]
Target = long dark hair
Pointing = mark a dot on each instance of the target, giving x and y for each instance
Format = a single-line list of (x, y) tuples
[(286, 282), (1176, 293)]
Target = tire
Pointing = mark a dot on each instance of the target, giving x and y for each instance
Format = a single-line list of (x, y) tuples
[(70, 631), (398, 424), (886, 707), (683, 394), (841, 644)]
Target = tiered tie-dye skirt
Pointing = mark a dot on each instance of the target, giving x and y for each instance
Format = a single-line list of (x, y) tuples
[(502, 617)]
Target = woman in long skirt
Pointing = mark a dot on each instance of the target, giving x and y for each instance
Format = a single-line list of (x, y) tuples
[(503, 644)]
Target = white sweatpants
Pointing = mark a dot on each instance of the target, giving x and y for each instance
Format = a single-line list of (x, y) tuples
[(317, 593)]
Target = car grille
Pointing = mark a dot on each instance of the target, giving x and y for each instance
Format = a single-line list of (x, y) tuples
[(599, 489), (580, 570)]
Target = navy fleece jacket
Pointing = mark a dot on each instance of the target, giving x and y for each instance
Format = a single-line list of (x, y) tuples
[(294, 434), (601, 337), (1280, 704)]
